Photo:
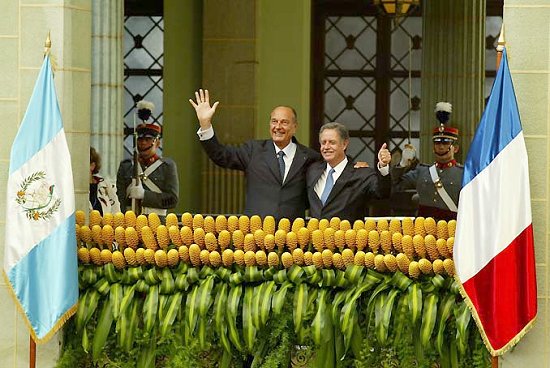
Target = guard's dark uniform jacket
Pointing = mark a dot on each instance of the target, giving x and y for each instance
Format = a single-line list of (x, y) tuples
[(430, 202), (164, 177)]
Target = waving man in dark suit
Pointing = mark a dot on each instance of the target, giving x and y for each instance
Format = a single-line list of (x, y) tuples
[(335, 188), (275, 168)]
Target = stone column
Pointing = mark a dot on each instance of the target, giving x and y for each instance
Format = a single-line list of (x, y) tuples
[(107, 83), (453, 67)]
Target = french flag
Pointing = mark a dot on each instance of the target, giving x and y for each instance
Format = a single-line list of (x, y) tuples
[(494, 249)]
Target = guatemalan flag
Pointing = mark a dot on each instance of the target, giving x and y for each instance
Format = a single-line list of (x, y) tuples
[(40, 261), (494, 250)]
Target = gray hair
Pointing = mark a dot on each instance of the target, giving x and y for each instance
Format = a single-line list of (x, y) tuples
[(340, 129)]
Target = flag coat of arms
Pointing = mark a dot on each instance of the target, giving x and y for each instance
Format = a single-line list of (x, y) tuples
[(40, 261), (494, 247)]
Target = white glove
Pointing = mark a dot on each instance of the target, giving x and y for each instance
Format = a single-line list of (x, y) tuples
[(407, 155), (135, 191)]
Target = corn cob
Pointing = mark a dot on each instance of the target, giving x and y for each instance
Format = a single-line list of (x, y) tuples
[(419, 247), (419, 228), (249, 258), (107, 219), (308, 258), (120, 237), (374, 240), (450, 244), (430, 226), (198, 236), (441, 245), (338, 262), (154, 221), (95, 218), (431, 247), (175, 236), (205, 257), (298, 224), (351, 238), (163, 238), (238, 239), (186, 235), (328, 237), (425, 266), (269, 225), (403, 262), (317, 240), (149, 238), (358, 225), (348, 256), (362, 239), (407, 224), (391, 262), (131, 236), (215, 259), (96, 235), (385, 241), (323, 224), (161, 259), (209, 225), (118, 220), (414, 269), (130, 219), (130, 256), (269, 242), (173, 257), (211, 242), (77, 232), (198, 222), (340, 239), (80, 218), (382, 225), (107, 236), (395, 226), (140, 256), (451, 228), (224, 239), (95, 256), (313, 224), (106, 256), (396, 239), (238, 257), (86, 234), (359, 259), (303, 237), (438, 267), (449, 266), (249, 243), (345, 225), (408, 246), (171, 220), (326, 257), (259, 238), (195, 255), (287, 260), (255, 223), (272, 259), (221, 224), (149, 255), (370, 224), (335, 223), (291, 241), (280, 239), (84, 255), (232, 224), (187, 220), (244, 224), (318, 259), (261, 258), (379, 263), (183, 252), (442, 229), (227, 257), (298, 256)]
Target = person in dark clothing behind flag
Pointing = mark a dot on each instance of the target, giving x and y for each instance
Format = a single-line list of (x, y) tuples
[(103, 195), (438, 185)]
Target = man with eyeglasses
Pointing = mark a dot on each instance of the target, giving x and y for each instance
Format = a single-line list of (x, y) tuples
[(275, 168), (437, 185), (158, 188)]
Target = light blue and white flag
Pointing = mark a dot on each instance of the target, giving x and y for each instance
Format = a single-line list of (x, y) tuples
[(40, 261)]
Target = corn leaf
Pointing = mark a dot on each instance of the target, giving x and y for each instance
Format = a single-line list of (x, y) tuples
[(429, 317)]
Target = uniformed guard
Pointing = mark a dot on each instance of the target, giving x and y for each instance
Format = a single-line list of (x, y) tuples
[(158, 187), (438, 184)]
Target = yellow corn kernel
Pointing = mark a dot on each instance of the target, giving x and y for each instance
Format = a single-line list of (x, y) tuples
[(131, 236), (183, 252), (118, 220), (414, 269), (227, 257), (351, 238), (249, 258), (269, 242), (255, 223), (370, 224), (338, 262), (209, 224), (395, 226), (303, 237), (403, 262), (259, 237), (95, 218), (408, 246), (107, 219), (361, 239), (396, 240), (385, 241), (80, 217), (358, 225), (328, 237), (130, 219), (161, 259), (425, 266), (407, 225), (369, 260), (163, 238), (441, 245), (313, 224), (215, 258), (224, 239), (84, 255), (187, 220), (340, 239), (431, 247), (451, 228), (317, 259), (449, 266), (280, 239), (261, 258), (308, 258), (348, 256), (244, 224), (379, 263), (391, 262), (298, 256), (442, 229), (96, 235), (335, 223), (326, 258), (175, 236), (382, 225), (450, 244), (194, 255), (198, 236), (323, 224), (106, 256), (154, 221), (86, 234), (173, 257), (198, 222), (419, 228), (77, 232), (249, 243), (359, 259), (291, 240), (345, 225), (298, 224), (438, 267), (130, 256), (149, 238), (211, 242), (186, 235), (95, 256), (430, 226), (221, 224), (232, 224), (171, 220), (107, 236), (269, 225), (238, 239), (120, 237), (317, 240), (287, 260), (374, 240), (272, 259), (205, 257), (140, 256), (419, 247)]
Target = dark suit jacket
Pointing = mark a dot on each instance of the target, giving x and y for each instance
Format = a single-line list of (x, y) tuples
[(265, 193), (349, 198)]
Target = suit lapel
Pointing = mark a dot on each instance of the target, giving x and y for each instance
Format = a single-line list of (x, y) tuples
[(270, 158), (300, 159), (343, 179)]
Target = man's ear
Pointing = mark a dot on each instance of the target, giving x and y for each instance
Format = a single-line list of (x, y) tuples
[(346, 143), (456, 148)]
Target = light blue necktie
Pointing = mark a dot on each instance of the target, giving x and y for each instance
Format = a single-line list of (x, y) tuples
[(328, 187), (280, 156)]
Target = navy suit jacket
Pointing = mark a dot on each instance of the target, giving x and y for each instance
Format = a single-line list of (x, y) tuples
[(266, 194), (350, 196)]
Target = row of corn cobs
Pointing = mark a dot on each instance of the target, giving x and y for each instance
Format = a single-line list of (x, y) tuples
[(413, 246)]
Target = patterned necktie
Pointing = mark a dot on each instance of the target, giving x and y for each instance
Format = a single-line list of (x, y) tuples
[(328, 187), (280, 156)]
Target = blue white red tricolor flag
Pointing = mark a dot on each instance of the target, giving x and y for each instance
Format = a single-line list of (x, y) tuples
[(40, 261), (494, 249)]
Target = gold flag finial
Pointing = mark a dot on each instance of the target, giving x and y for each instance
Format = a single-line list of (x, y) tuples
[(501, 42), (47, 44)]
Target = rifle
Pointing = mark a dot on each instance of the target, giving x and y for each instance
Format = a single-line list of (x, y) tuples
[(136, 203)]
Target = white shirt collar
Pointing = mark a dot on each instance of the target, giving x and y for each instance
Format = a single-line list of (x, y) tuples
[(289, 150), (338, 168)]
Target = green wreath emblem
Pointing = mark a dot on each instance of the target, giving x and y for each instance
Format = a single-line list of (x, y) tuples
[(39, 203)]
